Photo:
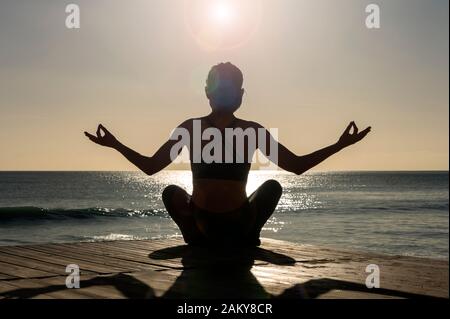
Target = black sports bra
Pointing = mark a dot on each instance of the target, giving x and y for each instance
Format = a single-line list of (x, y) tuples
[(221, 171), (224, 171)]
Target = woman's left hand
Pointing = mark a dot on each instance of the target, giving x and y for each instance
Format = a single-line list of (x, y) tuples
[(348, 138), (107, 139)]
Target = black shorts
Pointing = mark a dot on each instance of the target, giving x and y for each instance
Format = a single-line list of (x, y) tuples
[(228, 227)]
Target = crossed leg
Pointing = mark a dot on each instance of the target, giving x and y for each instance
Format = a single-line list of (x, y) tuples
[(262, 203), (176, 200)]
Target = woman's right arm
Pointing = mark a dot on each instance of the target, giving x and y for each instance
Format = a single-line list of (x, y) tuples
[(150, 165)]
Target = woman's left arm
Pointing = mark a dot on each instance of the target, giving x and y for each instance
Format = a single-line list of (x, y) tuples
[(291, 162)]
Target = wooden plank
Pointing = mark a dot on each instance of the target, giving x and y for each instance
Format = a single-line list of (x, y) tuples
[(60, 260), (84, 255), (114, 258), (4, 276), (33, 264), (22, 272), (8, 291), (139, 256), (90, 287), (53, 287), (76, 258), (52, 264)]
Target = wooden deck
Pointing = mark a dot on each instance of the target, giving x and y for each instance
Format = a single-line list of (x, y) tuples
[(168, 269)]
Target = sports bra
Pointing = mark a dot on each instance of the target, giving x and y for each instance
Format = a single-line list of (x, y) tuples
[(221, 171)]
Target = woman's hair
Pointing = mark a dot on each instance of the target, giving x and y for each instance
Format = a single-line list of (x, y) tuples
[(224, 85)]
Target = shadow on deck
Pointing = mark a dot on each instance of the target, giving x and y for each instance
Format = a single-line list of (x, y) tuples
[(216, 273)]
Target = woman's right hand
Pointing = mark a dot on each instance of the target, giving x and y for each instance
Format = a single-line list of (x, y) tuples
[(107, 139), (348, 138)]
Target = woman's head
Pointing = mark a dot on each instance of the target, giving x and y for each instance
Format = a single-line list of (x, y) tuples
[(224, 87)]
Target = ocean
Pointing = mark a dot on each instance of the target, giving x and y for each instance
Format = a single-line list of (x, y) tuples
[(398, 213)]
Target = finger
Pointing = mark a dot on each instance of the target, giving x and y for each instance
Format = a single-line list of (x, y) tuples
[(104, 129), (349, 127), (88, 134), (93, 138), (99, 134), (363, 134), (355, 128), (367, 130)]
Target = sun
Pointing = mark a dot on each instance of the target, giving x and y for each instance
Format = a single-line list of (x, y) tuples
[(222, 12), (222, 24)]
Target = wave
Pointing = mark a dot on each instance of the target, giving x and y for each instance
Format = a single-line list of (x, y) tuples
[(413, 207), (31, 213)]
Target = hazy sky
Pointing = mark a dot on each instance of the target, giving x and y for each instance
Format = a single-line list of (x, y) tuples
[(139, 67)]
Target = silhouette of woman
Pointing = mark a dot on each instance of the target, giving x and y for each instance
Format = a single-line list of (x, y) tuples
[(219, 211)]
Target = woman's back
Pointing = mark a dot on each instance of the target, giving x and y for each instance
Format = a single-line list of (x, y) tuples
[(219, 182)]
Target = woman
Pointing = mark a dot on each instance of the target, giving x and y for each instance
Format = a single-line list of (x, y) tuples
[(219, 211)]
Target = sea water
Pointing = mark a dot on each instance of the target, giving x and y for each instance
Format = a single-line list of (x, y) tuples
[(402, 213)]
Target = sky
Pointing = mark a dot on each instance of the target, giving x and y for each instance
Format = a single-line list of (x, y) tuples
[(139, 67)]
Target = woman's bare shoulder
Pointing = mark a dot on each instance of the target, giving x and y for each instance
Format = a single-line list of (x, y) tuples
[(249, 124), (190, 122)]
